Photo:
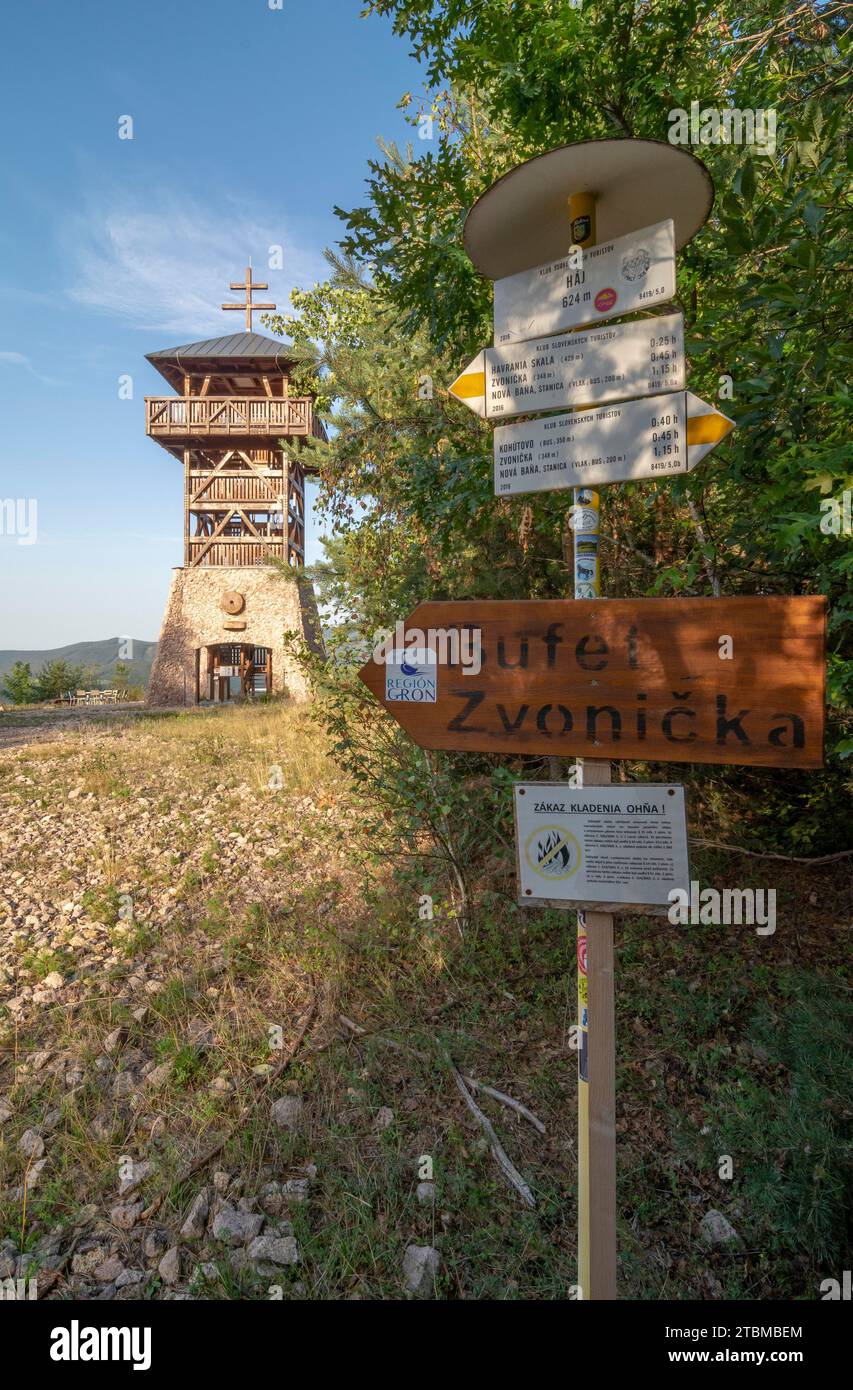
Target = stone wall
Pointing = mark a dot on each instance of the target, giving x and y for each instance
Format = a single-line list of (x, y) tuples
[(196, 619)]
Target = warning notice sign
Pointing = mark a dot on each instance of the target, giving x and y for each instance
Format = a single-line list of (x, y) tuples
[(622, 846)]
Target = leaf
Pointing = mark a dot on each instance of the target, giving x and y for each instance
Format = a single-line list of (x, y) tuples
[(813, 215), (782, 294), (747, 181)]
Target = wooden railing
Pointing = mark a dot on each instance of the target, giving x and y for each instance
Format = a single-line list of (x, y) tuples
[(229, 417), (245, 550), (236, 488)]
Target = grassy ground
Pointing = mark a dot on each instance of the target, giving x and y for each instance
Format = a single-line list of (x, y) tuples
[(197, 882), (20, 724)]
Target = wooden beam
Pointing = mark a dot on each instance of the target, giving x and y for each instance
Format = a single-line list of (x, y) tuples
[(220, 528), (246, 522)]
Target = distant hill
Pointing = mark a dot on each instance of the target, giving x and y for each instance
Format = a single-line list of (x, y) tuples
[(101, 657)]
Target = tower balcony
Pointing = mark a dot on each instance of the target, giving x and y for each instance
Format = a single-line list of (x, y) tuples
[(178, 419)]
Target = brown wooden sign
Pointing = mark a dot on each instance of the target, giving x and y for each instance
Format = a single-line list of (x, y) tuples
[(689, 680)]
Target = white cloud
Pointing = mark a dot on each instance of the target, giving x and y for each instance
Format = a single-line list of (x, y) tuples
[(19, 359), (167, 267)]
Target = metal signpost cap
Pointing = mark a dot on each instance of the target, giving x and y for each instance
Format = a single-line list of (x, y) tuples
[(522, 220)]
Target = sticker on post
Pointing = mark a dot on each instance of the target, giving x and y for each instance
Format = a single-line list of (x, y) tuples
[(412, 676)]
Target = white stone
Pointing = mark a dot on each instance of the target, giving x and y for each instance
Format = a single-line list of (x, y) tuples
[(277, 1250), (236, 1227), (193, 1227), (126, 1214), (112, 1042), (420, 1267), (716, 1230), (287, 1112), (136, 1173), (159, 1076), (31, 1144), (169, 1267)]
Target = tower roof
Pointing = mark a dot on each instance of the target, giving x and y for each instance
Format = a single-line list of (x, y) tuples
[(235, 353)]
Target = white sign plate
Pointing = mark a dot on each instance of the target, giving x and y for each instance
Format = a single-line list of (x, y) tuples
[(618, 277), (609, 363), (614, 847), (634, 439)]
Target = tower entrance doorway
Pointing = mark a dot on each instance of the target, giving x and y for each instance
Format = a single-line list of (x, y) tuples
[(234, 670)]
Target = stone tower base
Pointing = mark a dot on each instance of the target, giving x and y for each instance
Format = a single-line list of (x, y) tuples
[(202, 612)]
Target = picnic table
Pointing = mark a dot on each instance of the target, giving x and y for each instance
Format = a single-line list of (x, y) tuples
[(93, 697)]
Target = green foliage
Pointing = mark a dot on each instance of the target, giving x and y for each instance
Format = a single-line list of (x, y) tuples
[(56, 678), (43, 963), (19, 685), (124, 682), (763, 286), (103, 904), (188, 1062), (406, 479), (793, 1164)]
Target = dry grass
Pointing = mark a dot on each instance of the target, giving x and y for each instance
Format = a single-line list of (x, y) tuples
[(255, 737)]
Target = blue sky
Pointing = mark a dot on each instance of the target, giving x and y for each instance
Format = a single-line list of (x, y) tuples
[(249, 125)]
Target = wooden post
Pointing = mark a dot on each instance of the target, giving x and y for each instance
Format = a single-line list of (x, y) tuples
[(596, 1091), (285, 509)]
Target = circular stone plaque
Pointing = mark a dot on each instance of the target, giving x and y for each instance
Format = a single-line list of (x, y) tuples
[(233, 602)]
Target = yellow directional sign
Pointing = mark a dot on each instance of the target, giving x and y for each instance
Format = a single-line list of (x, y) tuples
[(706, 426), (471, 385)]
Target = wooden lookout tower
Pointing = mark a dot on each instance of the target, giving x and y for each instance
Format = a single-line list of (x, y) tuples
[(244, 504)]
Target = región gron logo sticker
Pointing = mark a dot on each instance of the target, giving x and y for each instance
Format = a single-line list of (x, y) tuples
[(412, 675)]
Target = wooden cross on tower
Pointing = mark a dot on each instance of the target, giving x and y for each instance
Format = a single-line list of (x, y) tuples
[(249, 306)]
